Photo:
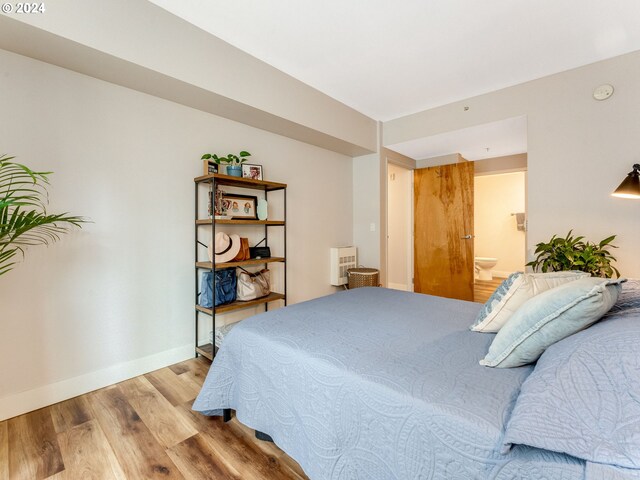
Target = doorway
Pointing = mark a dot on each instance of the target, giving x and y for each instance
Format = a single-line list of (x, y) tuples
[(399, 227), (445, 254), (500, 228)]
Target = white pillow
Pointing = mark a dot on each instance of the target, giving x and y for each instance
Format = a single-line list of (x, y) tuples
[(513, 292)]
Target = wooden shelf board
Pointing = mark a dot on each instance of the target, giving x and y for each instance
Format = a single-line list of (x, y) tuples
[(240, 182), (243, 263), (241, 222), (206, 350), (230, 307)]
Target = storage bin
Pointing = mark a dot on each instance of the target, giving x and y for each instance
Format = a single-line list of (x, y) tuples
[(363, 277)]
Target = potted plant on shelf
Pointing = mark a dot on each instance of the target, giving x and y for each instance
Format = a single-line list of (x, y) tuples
[(233, 162), (573, 253), (24, 220)]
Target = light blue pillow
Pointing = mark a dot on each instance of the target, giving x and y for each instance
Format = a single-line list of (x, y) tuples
[(548, 318), (583, 397)]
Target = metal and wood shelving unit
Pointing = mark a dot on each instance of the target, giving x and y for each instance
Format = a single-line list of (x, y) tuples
[(211, 182)]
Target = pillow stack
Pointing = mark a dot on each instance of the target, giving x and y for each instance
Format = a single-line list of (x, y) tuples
[(514, 292), (531, 312)]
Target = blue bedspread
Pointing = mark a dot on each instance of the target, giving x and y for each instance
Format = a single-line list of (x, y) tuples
[(377, 384)]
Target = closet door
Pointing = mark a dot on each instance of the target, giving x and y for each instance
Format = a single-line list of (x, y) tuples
[(443, 216)]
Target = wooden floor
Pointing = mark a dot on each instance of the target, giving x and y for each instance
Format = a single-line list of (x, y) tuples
[(482, 289), (137, 430)]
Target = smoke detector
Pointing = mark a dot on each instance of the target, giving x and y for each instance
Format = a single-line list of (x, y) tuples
[(603, 92)]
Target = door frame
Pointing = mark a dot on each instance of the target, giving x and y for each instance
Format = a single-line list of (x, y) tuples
[(524, 169), (410, 226), (387, 157)]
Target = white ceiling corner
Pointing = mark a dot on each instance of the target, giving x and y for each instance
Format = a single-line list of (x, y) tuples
[(389, 59)]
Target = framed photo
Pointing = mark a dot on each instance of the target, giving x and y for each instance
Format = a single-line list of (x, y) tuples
[(254, 172), (240, 206), (210, 167)]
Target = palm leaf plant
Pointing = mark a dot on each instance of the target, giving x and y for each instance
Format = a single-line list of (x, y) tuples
[(24, 220), (574, 253)]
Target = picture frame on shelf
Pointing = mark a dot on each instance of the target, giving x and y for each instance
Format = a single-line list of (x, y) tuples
[(253, 172), (209, 167), (240, 207), (218, 203)]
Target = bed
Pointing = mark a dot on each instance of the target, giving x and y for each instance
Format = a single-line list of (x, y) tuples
[(379, 384)]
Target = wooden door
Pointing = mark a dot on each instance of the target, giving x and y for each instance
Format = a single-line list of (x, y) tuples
[(443, 229)]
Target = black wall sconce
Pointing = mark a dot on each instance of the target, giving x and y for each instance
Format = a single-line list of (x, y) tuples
[(630, 186)]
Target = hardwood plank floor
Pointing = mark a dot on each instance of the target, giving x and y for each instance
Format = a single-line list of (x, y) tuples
[(195, 373), (227, 440), (483, 289), (142, 428), (156, 412), (140, 455), (70, 413), (198, 460), (172, 387), (33, 446), (88, 454)]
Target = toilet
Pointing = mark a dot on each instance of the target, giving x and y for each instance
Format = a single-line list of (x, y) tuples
[(484, 266)]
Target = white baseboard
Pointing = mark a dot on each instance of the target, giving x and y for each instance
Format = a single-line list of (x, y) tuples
[(46, 395), (397, 286)]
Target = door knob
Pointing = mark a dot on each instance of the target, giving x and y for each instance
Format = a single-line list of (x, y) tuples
[(467, 237)]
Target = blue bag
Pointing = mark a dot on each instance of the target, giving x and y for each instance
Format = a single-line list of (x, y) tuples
[(225, 287)]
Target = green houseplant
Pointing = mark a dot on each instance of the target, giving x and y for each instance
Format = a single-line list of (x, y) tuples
[(233, 162), (574, 253), (24, 220)]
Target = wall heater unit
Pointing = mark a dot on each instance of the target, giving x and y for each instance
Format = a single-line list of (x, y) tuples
[(342, 259)]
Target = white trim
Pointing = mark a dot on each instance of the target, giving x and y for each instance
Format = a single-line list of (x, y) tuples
[(30, 400), (411, 239)]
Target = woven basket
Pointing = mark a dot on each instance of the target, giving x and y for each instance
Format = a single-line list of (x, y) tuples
[(363, 277)]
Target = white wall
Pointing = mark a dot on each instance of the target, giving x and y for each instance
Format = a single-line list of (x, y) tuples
[(139, 45), (115, 299), (366, 209), (399, 209), (579, 149), (496, 197)]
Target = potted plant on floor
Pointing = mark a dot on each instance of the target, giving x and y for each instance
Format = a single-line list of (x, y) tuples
[(233, 162), (24, 220)]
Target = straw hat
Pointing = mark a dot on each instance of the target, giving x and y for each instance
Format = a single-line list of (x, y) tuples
[(226, 247)]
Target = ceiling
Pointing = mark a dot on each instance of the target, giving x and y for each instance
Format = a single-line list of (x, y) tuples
[(495, 139), (389, 59)]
